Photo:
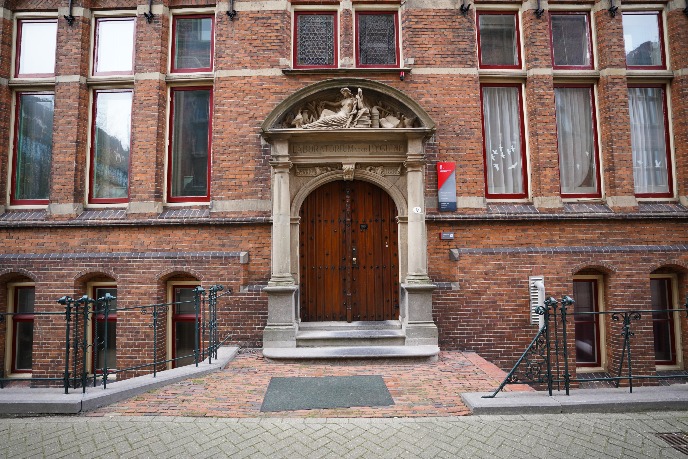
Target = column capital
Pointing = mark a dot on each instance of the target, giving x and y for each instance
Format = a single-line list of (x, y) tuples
[(281, 166)]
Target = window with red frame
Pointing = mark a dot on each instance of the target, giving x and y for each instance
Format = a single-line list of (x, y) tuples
[(571, 41), (377, 40), (315, 39), (33, 146), (110, 145), (104, 355), (663, 321), (503, 142), (184, 324), (114, 46), (189, 162), (22, 332), (498, 40), (36, 45), (577, 141), (192, 43), (652, 171), (586, 323), (643, 40)]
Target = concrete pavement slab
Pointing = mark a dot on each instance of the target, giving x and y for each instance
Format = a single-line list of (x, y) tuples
[(603, 400)]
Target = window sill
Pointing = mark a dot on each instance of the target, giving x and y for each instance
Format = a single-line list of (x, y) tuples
[(502, 73), (345, 71), (23, 82), (576, 74), (653, 75), (200, 77), (110, 80)]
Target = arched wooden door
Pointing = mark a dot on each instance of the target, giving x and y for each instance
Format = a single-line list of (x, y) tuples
[(349, 257)]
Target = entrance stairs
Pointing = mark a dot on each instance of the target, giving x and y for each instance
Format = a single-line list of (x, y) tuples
[(355, 340)]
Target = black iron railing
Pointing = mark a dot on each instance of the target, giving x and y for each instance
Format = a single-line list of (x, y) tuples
[(546, 360), (81, 338)]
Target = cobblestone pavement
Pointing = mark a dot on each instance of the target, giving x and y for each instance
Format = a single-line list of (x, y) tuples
[(532, 436), (420, 389)]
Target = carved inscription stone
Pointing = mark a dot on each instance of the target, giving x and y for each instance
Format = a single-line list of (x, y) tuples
[(336, 149)]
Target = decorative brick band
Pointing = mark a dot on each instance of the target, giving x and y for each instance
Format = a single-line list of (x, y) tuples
[(455, 254), (241, 256)]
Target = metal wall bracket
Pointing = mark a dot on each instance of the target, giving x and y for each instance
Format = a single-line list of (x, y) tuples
[(465, 7), (231, 12), (539, 11), (612, 9), (149, 14), (69, 17)]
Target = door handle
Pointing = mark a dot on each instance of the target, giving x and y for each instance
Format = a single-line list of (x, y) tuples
[(354, 261)]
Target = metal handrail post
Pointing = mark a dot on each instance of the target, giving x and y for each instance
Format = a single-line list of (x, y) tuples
[(565, 302), (108, 298), (67, 303)]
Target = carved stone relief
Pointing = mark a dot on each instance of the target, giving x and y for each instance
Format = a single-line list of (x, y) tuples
[(349, 111), (313, 171), (381, 170)]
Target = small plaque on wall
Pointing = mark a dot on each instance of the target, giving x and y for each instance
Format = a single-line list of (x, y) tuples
[(446, 186)]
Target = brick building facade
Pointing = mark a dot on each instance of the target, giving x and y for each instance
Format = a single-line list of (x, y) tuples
[(178, 145)]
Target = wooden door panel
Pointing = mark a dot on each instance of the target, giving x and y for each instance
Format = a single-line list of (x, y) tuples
[(341, 221)]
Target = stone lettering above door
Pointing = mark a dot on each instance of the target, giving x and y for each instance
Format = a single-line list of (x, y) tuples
[(347, 148)]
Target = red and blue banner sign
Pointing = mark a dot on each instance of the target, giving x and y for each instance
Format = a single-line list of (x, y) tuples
[(446, 186)]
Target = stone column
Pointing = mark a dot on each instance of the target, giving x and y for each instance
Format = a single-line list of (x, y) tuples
[(280, 330), (417, 291)]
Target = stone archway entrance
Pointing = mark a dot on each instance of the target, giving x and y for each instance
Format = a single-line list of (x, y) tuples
[(348, 254), (370, 143)]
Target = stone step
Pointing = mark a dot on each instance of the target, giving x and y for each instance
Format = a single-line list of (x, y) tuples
[(410, 353), (316, 338), (357, 325)]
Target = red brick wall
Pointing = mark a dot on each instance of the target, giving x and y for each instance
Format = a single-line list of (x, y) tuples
[(488, 312)]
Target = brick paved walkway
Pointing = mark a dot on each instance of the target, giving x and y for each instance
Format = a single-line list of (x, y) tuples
[(563, 436), (420, 389)]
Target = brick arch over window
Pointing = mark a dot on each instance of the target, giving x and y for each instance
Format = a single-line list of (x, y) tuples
[(678, 266), (95, 274), (601, 268), (16, 274), (171, 273), (329, 88)]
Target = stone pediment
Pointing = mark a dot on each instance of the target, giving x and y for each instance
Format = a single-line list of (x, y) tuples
[(362, 108)]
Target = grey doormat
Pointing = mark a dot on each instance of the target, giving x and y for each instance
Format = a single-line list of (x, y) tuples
[(288, 394)]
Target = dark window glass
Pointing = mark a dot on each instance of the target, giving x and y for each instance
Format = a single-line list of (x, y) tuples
[(315, 44), (37, 45), (23, 328), (103, 351), (586, 325), (642, 40), (648, 141), (498, 43), (193, 43), (34, 146), (570, 40), (663, 321), (377, 42), (184, 299), (190, 143), (184, 338), (111, 144), (26, 297), (24, 345), (576, 141), (184, 324)]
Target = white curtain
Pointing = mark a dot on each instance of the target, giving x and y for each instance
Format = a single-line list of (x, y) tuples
[(648, 140), (576, 142), (502, 124)]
